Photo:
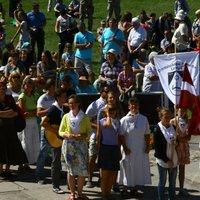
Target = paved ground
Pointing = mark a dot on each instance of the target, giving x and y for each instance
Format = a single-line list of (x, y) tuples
[(25, 188)]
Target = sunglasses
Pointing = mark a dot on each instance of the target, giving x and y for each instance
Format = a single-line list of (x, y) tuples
[(16, 77), (68, 47)]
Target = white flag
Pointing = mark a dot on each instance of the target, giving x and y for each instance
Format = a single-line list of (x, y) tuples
[(170, 70)]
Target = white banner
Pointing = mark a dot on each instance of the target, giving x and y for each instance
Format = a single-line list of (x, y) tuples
[(170, 70)]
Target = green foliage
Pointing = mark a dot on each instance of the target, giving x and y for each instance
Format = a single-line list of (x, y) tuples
[(134, 6)]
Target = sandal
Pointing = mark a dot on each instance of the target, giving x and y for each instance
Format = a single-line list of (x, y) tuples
[(71, 197)]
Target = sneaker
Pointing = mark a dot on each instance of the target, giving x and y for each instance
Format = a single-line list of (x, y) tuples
[(58, 191), (88, 184), (40, 181)]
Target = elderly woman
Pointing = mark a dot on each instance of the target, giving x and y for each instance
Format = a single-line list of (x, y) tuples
[(75, 127), (110, 69), (151, 82), (14, 85), (126, 83), (11, 152), (135, 135), (30, 136)]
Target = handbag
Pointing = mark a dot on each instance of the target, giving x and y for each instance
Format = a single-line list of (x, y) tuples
[(20, 120)]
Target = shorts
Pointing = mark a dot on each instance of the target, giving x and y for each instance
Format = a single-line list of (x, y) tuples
[(83, 64)]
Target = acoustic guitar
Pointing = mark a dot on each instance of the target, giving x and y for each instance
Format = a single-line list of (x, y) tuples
[(51, 134)]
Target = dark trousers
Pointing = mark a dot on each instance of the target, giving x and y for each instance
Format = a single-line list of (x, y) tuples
[(86, 7), (39, 38), (56, 167), (65, 37)]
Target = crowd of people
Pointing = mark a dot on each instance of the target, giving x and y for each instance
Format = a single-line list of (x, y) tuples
[(111, 128)]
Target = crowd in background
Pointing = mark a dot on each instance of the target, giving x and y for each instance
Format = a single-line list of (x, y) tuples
[(32, 82)]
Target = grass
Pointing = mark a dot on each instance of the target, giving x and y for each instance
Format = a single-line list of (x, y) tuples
[(134, 6)]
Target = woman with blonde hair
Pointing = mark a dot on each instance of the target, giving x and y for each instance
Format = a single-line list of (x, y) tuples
[(30, 135), (14, 85), (183, 148)]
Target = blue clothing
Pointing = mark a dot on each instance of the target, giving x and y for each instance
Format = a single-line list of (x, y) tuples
[(60, 6), (73, 75), (36, 20), (89, 90), (162, 181), (74, 4), (24, 33), (106, 36), (85, 38), (109, 134), (44, 149), (181, 5)]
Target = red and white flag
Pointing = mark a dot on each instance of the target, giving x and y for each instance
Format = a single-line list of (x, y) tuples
[(189, 100)]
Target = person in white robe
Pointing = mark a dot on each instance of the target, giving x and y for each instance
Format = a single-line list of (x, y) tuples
[(135, 136)]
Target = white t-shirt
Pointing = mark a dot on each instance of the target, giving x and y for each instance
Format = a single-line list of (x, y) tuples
[(137, 36), (64, 23), (150, 85), (177, 38), (45, 101)]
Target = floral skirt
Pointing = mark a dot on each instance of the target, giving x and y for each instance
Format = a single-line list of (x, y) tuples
[(76, 157), (183, 152)]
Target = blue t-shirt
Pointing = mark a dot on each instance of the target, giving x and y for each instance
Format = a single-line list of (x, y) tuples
[(36, 20), (73, 75), (109, 134), (89, 90), (81, 38), (107, 35)]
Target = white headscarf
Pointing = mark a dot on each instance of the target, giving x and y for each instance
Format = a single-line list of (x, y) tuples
[(74, 121), (169, 133)]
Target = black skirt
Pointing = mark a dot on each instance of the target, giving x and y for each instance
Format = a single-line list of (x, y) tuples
[(11, 151), (109, 157)]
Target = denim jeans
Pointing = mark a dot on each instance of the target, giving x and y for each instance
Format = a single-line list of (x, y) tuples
[(44, 149), (55, 165), (172, 173)]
